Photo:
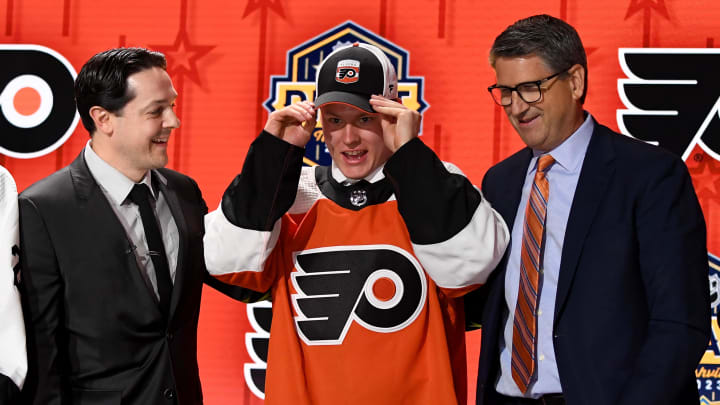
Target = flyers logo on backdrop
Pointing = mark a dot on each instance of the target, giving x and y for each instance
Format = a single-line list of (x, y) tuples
[(382, 288), (260, 317), (672, 99), (37, 105), (298, 83)]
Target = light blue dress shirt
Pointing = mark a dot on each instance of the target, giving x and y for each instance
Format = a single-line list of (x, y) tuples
[(563, 178)]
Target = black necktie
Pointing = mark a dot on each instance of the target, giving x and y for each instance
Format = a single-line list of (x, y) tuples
[(140, 195)]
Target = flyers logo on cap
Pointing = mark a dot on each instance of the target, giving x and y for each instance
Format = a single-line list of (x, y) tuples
[(37, 105), (348, 71)]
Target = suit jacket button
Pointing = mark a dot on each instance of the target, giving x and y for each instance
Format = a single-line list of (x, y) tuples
[(169, 336), (169, 393)]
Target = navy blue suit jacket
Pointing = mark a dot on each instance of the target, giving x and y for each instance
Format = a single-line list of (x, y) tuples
[(632, 313)]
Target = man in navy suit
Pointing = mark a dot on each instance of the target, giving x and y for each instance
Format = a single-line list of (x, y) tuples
[(619, 310)]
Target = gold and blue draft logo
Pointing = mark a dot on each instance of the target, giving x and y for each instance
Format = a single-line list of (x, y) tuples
[(298, 84), (708, 371)]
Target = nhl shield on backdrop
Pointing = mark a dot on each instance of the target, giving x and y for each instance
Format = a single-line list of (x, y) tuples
[(298, 84)]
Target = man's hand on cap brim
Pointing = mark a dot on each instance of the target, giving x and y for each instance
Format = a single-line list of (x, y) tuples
[(400, 124), (293, 124)]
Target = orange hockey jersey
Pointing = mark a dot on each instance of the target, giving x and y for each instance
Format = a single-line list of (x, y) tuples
[(363, 313)]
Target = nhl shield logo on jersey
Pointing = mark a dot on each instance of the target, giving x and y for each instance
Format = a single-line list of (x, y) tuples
[(348, 71), (708, 371), (298, 83)]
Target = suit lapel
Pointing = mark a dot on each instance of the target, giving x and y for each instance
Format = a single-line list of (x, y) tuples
[(507, 199), (594, 180), (177, 213), (103, 221)]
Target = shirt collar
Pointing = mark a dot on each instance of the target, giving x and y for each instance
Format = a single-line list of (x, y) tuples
[(116, 185), (372, 177), (571, 153)]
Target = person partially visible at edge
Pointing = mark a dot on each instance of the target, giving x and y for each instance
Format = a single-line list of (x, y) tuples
[(366, 259), (602, 297), (112, 253), (13, 356)]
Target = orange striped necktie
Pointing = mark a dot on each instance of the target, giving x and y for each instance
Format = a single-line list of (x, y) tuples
[(525, 319)]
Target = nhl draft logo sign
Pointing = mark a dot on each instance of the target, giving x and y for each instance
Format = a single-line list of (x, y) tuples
[(708, 372), (298, 83), (37, 105)]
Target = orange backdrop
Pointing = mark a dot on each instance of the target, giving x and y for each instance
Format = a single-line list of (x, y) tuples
[(223, 53)]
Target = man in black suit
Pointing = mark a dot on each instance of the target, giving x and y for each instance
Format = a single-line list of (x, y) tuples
[(602, 297), (112, 253)]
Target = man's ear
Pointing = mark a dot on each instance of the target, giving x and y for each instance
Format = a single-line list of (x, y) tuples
[(577, 81), (102, 119)]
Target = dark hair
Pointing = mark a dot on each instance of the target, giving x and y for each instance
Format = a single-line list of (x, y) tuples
[(553, 40), (102, 81)]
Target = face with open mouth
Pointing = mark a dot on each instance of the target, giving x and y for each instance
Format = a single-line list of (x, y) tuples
[(141, 130), (354, 139), (545, 124)]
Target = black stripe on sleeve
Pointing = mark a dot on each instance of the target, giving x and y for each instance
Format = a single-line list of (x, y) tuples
[(434, 203), (267, 185)]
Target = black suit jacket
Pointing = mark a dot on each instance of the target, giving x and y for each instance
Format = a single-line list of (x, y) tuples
[(632, 312), (95, 331)]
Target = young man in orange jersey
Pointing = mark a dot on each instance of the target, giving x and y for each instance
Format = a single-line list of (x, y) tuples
[(366, 258)]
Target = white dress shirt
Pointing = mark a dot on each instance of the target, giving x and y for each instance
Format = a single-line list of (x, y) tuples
[(375, 175), (116, 187)]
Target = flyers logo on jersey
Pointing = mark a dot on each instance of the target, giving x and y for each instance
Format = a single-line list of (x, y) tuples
[(298, 83), (37, 105), (348, 71), (672, 98), (381, 288)]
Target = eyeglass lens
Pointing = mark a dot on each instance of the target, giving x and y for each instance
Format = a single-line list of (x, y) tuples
[(529, 93)]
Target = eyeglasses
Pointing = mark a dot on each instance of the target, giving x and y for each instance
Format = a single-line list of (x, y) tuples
[(529, 92)]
